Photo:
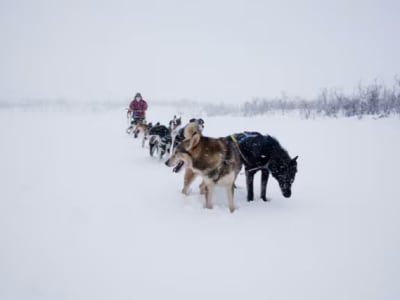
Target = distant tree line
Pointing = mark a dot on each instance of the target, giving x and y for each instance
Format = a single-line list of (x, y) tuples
[(375, 100)]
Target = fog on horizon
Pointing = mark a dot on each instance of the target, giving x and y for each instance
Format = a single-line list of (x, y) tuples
[(199, 50)]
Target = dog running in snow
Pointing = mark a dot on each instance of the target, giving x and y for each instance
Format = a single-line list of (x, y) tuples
[(133, 125), (216, 160), (174, 124), (159, 140), (186, 133), (174, 127), (179, 135), (142, 129)]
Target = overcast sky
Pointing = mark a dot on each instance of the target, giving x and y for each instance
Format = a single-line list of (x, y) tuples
[(202, 50)]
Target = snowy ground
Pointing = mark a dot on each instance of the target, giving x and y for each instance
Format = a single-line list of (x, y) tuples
[(85, 213)]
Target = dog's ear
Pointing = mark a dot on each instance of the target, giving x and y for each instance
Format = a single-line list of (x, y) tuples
[(190, 130), (195, 139)]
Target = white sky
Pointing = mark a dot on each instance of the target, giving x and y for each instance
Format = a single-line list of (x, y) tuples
[(202, 50)]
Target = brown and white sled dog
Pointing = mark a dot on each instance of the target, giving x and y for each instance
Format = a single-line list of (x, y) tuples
[(143, 129), (185, 133), (216, 160)]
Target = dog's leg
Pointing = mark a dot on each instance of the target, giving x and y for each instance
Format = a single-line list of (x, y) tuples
[(264, 181), (152, 145), (162, 151), (136, 133), (144, 140), (249, 183), (229, 191), (209, 190), (157, 145), (155, 148), (202, 187), (187, 180)]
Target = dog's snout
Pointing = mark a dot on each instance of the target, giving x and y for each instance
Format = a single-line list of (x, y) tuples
[(167, 163), (287, 194)]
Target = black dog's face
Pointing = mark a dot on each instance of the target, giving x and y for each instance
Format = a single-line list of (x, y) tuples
[(178, 138), (285, 174), (200, 122)]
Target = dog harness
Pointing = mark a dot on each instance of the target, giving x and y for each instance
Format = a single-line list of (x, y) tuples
[(216, 173), (236, 142)]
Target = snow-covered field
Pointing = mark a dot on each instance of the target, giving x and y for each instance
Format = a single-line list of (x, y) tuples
[(85, 213)]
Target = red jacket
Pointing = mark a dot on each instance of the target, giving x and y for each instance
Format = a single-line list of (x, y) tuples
[(138, 108)]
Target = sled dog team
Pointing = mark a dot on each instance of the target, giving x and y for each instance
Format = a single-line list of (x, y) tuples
[(218, 161)]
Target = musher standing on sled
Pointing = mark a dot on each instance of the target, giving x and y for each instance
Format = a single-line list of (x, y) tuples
[(138, 108)]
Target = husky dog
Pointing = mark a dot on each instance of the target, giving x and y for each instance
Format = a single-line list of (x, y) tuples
[(194, 126), (134, 124), (144, 130), (160, 140), (184, 132), (174, 127), (264, 153), (175, 123), (216, 160)]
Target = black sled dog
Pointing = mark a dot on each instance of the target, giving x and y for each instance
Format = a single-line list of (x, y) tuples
[(264, 153), (160, 140)]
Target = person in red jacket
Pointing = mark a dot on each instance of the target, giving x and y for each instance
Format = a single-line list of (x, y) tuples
[(138, 108)]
